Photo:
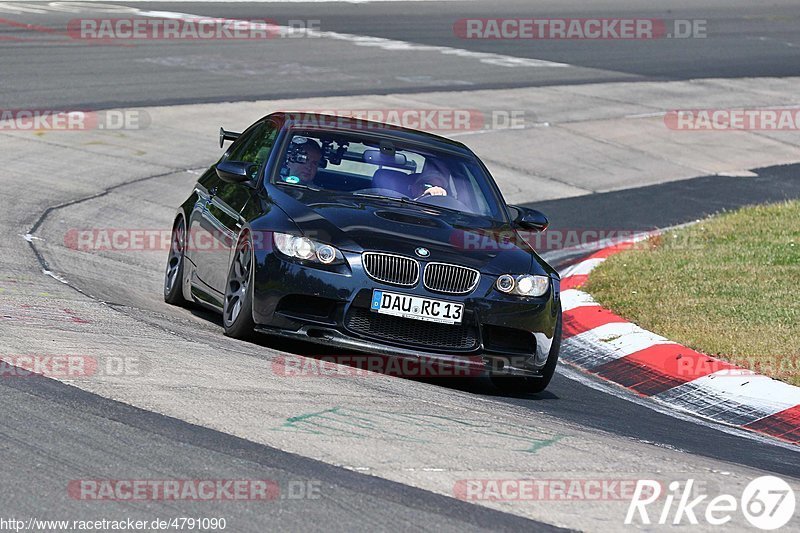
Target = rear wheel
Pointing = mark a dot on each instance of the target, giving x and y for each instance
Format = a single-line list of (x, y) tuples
[(173, 277), (533, 385), (237, 312)]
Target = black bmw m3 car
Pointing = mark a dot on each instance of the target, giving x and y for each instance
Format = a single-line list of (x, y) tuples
[(372, 238)]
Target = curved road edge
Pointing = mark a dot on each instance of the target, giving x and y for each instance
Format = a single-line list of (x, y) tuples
[(604, 344)]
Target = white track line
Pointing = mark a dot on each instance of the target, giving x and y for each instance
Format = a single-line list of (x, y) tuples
[(385, 44), (239, 1), (572, 298), (614, 341)]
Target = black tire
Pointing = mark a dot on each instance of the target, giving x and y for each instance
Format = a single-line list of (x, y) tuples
[(531, 385), (237, 312), (173, 276)]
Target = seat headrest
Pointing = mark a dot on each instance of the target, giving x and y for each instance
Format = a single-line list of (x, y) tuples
[(395, 180)]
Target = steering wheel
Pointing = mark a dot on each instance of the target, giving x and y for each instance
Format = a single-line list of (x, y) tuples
[(426, 193), (442, 201)]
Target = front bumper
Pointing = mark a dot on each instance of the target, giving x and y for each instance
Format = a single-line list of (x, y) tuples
[(501, 333)]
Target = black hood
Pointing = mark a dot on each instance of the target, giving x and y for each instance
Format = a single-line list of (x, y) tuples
[(358, 224)]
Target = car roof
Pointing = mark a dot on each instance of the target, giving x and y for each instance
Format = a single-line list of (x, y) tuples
[(302, 120)]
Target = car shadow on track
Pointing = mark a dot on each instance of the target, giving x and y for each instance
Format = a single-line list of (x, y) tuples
[(359, 362)]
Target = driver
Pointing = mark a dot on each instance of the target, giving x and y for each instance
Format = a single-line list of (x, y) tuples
[(306, 172), (432, 183)]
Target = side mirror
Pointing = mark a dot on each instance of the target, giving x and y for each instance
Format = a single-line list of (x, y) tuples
[(235, 171), (530, 219)]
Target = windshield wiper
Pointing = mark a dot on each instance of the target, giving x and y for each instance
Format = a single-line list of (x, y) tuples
[(407, 200), (403, 199), (299, 185)]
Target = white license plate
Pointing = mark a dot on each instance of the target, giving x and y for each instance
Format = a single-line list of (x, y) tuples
[(416, 307)]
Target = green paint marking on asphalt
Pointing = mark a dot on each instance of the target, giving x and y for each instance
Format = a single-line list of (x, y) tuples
[(404, 427), (301, 418), (360, 417), (346, 420), (312, 423), (354, 420), (309, 423), (533, 445), (539, 444)]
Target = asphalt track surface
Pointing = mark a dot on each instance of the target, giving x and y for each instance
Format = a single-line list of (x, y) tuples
[(75, 433), (52, 432), (45, 69), (83, 431)]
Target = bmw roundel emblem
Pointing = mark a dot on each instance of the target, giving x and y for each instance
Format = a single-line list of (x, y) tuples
[(422, 252)]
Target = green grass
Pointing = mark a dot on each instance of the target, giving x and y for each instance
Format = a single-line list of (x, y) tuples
[(728, 286)]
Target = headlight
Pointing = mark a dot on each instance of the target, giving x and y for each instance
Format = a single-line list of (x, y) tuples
[(305, 249), (506, 283), (326, 254), (524, 285)]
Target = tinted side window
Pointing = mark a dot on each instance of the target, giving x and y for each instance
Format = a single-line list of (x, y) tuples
[(257, 145)]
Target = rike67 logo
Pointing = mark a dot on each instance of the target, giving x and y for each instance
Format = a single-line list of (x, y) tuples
[(767, 502)]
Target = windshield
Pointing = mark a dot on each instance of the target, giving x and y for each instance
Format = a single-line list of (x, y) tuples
[(371, 166)]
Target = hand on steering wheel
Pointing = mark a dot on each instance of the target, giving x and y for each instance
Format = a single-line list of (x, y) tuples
[(433, 191)]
